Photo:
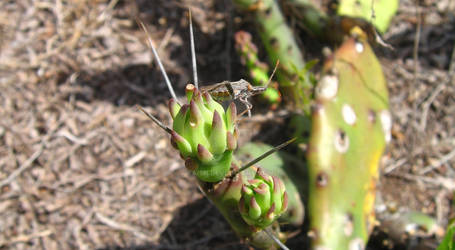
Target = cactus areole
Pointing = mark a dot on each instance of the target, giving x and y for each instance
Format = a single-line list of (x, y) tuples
[(350, 127)]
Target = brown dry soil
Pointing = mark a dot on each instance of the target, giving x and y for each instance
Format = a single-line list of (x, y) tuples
[(81, 168)]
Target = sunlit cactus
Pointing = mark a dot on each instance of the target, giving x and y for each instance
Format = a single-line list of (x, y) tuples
[(258, 70), (204, 134), (263, 199), (351, 124)]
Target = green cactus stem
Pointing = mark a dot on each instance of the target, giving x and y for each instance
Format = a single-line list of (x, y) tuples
[(258, 70), (351, 124), (306, 15), (226, 196), (280, 44)]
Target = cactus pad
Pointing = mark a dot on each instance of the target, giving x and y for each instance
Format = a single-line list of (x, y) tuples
[(350, 126)]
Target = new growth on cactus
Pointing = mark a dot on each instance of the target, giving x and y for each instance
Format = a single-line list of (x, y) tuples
[(204, 134), (263, 200)]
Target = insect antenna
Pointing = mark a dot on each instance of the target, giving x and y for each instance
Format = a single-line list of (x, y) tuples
[(273, 73), (193, 51), (155, 120), (155, 53)]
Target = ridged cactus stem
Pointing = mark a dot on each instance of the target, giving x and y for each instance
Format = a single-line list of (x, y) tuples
[(280, 44), (258, 70), (226, 196)]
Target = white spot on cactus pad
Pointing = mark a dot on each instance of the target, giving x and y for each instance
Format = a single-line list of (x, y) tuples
[(341, 141), (386, 121), (327, 87), (348, 114), (348, 225), (359, 47), (321, 248), (356, 244)]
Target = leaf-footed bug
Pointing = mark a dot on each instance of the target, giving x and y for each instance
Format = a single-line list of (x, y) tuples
[(240, 90)]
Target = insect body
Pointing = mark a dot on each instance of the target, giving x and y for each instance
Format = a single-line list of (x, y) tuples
[(240, 90)]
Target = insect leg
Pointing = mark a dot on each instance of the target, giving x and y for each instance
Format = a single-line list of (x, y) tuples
[(230, 89), (248, 105)]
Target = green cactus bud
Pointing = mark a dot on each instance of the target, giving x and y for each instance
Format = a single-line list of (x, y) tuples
[(180, 118), (174, 107), (205, 133), (263, 200), (218, 134), (195, 114), (182, 144), (231, 141), (203, 154), (189, 90), (231, 116)]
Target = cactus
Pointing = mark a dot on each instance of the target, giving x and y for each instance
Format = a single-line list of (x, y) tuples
[(263, 200), (380, 13), (448, 242), (350, 127), (258, 70), (204, 134), (226, 196), (282, 165), (281, 45)]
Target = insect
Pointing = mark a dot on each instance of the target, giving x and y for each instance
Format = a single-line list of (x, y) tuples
[(241, 90), (226, 90)]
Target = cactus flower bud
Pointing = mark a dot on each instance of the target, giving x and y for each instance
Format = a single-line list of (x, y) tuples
[(263, 200), (204, 132)]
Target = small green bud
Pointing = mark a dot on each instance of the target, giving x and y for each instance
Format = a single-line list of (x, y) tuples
[(263, 199), (231, 116), (218, 134), (183, 145), (231, 141), (174, 107), (189, 90), (203, 154), (195, 115), (200, 133)]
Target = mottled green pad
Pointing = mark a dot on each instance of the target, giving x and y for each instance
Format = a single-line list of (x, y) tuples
[(281, 168), (384, 10), (350, 126)]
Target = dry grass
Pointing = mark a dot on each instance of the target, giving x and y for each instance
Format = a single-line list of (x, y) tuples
[(82, 168)]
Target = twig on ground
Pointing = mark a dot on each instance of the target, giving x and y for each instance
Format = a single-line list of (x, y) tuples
[(438, 181), (426, 105), (396, 165), (122, 226), (25, 237), (441, 161), (24, 166)]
